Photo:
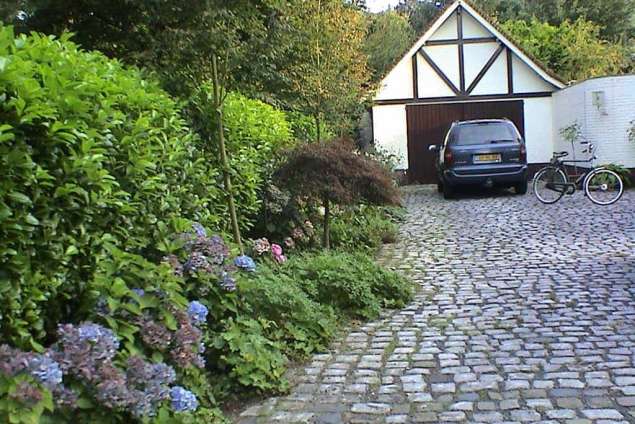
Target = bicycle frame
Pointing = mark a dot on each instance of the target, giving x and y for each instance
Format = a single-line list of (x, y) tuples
[(570, 187)]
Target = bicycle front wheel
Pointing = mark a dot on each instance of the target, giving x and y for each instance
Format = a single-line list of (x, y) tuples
[(550, 184), (604, 187)]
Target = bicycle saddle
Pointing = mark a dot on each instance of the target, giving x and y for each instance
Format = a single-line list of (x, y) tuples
[(560, 154)]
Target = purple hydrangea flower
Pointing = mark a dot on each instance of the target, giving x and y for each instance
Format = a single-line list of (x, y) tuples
[(228, 283), (154, 334), (185, 342), (46, 371), (150, 385), (245, 262), (199, 230), (197, 262), (197, 312), (27, 394), (183, 400)]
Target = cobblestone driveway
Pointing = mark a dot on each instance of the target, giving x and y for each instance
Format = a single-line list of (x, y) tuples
[(526, 313)]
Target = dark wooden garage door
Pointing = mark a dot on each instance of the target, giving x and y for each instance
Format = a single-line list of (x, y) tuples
[(428, 124)]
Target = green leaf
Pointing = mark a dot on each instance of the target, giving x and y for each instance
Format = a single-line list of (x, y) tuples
[(71, 250), (19, 197), (4, 61)]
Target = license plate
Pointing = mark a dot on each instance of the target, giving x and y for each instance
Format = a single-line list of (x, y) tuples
[(487, 158)]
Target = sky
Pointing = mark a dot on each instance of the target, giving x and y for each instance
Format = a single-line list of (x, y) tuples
[(379, 5)]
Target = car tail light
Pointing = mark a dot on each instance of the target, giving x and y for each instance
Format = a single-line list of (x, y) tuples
[(447, 157), (523, 152)]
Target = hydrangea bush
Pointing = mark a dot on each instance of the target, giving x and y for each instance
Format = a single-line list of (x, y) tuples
[(85, 358)]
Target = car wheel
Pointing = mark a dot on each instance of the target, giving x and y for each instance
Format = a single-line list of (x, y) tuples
[(448, 191), (521, 188)]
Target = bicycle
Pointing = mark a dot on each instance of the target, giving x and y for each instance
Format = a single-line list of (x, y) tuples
[(601, 185)]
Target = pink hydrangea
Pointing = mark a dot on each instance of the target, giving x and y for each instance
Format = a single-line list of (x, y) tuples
[(276, 250)]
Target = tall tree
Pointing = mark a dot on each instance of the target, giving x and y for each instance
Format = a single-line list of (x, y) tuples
[(574, 50), (420, 13), (615, 18), (388, 38), (328, 73)]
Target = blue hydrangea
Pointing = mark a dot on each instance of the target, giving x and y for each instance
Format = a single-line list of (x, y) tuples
[(162, 373), (138, 292), (183, 400), (227, 282), (93, 332), (197, 312), (199, 230), (46, 371), (98, 335), (245, 262)]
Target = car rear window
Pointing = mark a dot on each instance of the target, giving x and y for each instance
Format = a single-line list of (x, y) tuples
[(482, 133)]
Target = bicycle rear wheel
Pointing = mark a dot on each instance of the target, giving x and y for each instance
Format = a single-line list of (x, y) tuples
[(550, 184), (603, 187)]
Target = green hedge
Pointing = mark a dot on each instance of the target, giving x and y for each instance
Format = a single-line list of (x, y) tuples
[(305, 130), (256, 132), (90, 152)]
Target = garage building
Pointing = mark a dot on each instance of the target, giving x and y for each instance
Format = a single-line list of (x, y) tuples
[(462, 67)]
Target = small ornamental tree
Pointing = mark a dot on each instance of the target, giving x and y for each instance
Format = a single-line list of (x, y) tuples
[(333, 173)]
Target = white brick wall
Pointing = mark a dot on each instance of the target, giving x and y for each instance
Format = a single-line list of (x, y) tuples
[(605, 125)]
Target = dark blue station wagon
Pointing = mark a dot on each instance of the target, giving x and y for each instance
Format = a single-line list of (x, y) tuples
[(487, 153)]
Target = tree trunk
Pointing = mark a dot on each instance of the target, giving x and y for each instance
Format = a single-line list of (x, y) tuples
[(223, 158), (317, 128), (326, 237)]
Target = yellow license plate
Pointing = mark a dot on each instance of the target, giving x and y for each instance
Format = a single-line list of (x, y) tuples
[(487, 158)]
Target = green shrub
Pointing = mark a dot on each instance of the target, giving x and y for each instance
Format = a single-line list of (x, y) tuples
[(363, 228), (304, 129), (90, 153), (622, 171), (301, 325), (352, 283), (253, 359), (256, 133)]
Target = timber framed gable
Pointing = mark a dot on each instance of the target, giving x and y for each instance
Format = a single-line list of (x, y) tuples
[(462, 56)]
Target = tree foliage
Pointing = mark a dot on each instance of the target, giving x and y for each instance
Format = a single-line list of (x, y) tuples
[(572, 49), (328, 73), (615, 18), (333, 173), (419, 13), (389, 37)]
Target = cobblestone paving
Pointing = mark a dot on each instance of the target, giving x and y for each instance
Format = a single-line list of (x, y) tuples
[(525, 313)]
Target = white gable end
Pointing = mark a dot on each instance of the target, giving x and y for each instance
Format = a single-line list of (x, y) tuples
[(477, 55), (526, 80), (447, 31), (463, 55), (398, 83), (473, 29), (491, 83), (430, 83), (447, 59)]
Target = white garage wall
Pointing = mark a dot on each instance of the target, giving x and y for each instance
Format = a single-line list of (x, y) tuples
[(538, 129), (605, 122), (390, 131)]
